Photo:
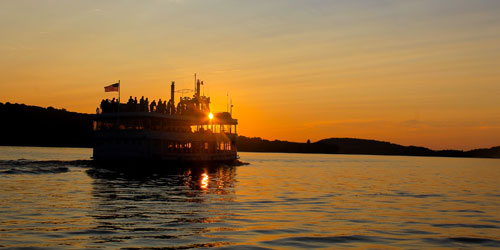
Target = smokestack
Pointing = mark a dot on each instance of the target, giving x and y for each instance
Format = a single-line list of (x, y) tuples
[(172, 92), (198, 88)]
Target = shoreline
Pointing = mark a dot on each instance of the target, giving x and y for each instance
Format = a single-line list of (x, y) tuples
[(280, 152)]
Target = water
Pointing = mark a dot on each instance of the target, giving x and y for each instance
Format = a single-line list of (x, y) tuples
[(53, 198)]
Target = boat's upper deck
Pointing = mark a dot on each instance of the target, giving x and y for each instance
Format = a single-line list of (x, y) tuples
[(152, 121), (190, 114), (223, 118)]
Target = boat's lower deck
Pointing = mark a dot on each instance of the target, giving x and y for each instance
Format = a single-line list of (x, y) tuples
[(147, 145)]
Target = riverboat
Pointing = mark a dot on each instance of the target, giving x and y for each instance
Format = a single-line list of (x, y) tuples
[(187, 132)]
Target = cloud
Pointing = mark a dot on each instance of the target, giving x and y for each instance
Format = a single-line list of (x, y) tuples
[(413, 123), (348, 122), (217, 72), (18, 47)]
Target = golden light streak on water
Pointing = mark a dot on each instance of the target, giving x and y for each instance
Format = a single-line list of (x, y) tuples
[(204, 181)]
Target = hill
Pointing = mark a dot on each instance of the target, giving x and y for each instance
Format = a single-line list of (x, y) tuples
[(362, 146), (355, 146), (493, 152), (257, 144), (24, 125)]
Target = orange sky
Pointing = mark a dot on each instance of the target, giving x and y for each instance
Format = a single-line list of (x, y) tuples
[(423, 73)]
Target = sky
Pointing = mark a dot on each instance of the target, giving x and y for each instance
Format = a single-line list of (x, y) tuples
[(424, 73)]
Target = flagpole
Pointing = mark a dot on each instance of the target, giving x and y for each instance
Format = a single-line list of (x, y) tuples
[(119, 88)]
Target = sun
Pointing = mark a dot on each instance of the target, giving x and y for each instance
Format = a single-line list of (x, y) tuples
[(211, 116)]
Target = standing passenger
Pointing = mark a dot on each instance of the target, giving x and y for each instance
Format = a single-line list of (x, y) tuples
[(113, 105), (152, 106), (130, 104), (159, 107), (141, 104)]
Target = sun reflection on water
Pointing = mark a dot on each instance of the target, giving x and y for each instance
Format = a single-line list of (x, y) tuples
[(204, 181)]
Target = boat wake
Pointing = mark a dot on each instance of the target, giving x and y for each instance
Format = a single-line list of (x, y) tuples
[(24, 166)]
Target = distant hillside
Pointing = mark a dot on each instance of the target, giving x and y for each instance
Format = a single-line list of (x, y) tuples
[(493, 152), (334, 146), (257, 144), (24, 125), (362, 146), (355, 146)]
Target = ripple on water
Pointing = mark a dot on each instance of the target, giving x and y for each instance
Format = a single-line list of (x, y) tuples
[(460, 241), (406, 194), (243, 247), (462, 211), (451, 225), (307, 242)]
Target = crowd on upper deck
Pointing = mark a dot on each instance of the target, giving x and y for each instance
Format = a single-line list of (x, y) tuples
[(186, 105), (133, 105)]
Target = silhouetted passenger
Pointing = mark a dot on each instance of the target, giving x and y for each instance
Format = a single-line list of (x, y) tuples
[(113, 105), (130, 104), (146, 105), (103, 106), (170, 107), (159, 107), (141, 104), (109, 107), (152, 106), (106, 106)]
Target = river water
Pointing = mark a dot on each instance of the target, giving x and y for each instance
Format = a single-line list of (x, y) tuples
[(53, 198)]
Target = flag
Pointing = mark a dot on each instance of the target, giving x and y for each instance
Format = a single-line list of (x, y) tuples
[(112, 87)]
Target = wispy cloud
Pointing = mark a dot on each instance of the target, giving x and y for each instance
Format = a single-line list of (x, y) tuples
[(217, 72), (19, 47), (350, 122), (413, 123)]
